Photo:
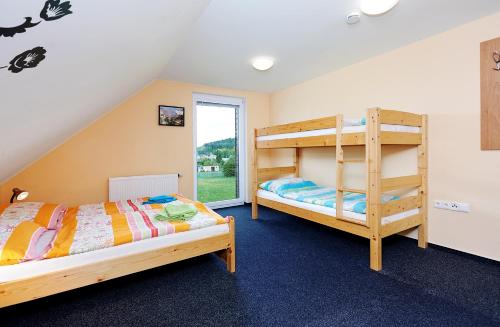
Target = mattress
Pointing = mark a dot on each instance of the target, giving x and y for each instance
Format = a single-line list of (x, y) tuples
[(331, 211), (333, 131), (35, 268)]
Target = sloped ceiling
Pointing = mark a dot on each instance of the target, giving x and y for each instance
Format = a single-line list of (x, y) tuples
[(104, 51), (307, 37), (101, 53)]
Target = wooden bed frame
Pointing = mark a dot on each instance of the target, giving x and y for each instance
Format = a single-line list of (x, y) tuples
[(373, 140), (22, 290)]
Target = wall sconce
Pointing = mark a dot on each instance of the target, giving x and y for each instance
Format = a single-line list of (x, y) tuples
[(18, 194)]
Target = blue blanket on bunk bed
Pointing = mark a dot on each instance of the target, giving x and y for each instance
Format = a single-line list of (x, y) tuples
[(305, 191)]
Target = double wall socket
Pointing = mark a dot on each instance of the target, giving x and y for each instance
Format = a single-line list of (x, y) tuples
[(452, 205)]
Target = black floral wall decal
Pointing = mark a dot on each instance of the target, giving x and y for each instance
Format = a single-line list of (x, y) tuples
[(54, 9), (27, 59), (11, 31)]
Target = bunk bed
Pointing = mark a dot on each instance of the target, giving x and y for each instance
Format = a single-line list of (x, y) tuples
[(382, 219)]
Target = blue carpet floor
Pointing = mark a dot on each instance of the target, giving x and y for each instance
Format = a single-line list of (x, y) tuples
[(290, 272)]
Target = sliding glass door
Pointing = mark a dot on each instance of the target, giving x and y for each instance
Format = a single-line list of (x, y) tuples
[(219, 130)]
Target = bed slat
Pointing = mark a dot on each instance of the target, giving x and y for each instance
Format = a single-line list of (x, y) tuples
[(398, 206), (264, 174), (400, 225), (397, 183), (348, 139), (277, 170), (402, 138), (307, 125), (300, 142), (353, 190), (394, 117)]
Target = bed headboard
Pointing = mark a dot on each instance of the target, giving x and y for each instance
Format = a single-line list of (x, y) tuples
[(123, 188)]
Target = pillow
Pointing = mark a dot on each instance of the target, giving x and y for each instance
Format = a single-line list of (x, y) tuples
[(45, 214), (274, 184), (23, 241), (282, 184), (355, 122)]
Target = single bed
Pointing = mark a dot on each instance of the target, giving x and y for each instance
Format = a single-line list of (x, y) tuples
[(332, 211)]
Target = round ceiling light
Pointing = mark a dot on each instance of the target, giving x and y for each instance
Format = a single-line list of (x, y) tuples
[(377, 7), (262, 63)]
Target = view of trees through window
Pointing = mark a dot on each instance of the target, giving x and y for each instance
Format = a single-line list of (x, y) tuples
[(216, 153)]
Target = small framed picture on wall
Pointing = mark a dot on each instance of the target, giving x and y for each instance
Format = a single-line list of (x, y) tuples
[(170, 116)]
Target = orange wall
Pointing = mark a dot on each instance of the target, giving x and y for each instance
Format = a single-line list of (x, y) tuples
[(127, 141), (438, 76)]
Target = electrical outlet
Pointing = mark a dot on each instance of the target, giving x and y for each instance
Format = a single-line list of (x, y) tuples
[(452, 205)]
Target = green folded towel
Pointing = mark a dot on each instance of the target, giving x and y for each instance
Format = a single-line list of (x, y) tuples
[(177, 212)]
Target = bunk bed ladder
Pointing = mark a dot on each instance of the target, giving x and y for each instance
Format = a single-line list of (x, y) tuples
[(340, 186)]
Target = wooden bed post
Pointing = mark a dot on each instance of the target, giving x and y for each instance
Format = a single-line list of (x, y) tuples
[(339, 159), (422, 171), (231, 251), (296, 161), (374, 163), (228, 255), (255, 186)]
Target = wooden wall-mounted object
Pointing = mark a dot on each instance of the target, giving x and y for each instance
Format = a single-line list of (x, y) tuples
[(490, 95)]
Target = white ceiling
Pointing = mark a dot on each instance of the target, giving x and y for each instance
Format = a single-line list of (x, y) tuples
[(307, 37), (96, 57), (106, 50)]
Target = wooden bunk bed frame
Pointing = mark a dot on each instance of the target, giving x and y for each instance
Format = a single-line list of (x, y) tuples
[(373, 140), (27, 289)]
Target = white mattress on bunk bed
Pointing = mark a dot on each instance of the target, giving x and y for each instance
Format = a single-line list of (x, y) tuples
[(333, 131), (331, 211), (35, 268)]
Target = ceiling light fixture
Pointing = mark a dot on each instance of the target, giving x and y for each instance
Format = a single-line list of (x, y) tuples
[(377, 7), (262, 63)]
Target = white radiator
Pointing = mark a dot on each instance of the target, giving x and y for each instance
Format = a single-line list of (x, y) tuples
[(124, 188)]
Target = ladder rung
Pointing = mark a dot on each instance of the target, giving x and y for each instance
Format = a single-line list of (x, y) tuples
[(354, 221), (353, 161), (352, 190)]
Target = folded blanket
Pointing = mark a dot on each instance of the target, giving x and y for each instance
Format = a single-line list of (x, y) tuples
[(177, 212), (160, 199), (181, 211)]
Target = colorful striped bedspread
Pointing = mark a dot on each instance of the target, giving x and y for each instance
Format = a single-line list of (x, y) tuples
[(305, 191), (92, 227)]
